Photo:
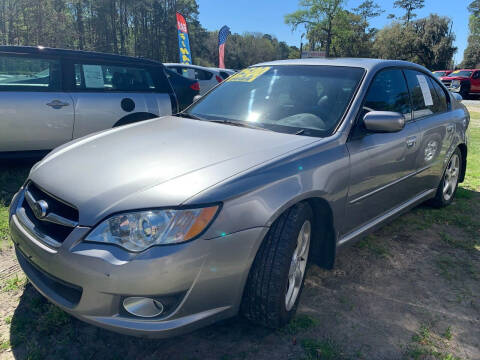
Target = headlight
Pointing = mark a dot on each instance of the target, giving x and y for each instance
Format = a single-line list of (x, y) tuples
[(137, 231), (455, 83)]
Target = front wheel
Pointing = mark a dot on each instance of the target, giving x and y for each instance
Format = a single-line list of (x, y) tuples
[(449, 184), (277, 275)]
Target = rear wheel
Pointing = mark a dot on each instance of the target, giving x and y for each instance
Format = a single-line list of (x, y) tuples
[(277, 275), (449, 184)]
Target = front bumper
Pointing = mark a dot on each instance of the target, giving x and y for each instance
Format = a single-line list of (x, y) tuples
[(90, 281)]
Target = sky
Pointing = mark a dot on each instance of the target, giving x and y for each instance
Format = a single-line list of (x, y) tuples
[(267, 16)]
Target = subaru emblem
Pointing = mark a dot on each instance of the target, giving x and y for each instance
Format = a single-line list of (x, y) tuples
[(40, 209)]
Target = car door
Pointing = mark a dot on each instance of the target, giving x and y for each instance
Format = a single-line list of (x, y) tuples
[(381, 164), (475, 82), (34, 112), (109, 94), (436, 127)]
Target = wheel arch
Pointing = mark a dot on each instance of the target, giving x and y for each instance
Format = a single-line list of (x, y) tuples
[(463, 170), (323, 249)]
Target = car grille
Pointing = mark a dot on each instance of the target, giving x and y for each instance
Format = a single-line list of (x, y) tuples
[(447, 83), (64, 293), (52, 222)]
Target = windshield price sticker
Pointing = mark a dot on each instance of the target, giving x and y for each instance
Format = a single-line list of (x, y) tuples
[(427, 95), (250, 74)]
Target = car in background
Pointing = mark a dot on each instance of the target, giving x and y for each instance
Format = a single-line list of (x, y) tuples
[(189, 219), (207, 77), (463, 82), (185, 89), (440, 73), (51, 96)]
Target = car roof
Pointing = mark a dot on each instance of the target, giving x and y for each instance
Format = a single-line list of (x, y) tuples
[(366, 63), (39, 50), (189, 65)]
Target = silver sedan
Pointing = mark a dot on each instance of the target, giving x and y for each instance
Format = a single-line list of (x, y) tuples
[(163, 226)]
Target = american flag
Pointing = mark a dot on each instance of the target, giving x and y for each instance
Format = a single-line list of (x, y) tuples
[(222, 39)]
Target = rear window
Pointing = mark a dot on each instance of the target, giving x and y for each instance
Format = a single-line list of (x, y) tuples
[(106, 77), (18, 73), (424, 97)]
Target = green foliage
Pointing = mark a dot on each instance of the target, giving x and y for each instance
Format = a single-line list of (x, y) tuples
[(321, 349), (145, 28), (471, 56), (426, 41), (300, 323), (338, 31), (409, 6)]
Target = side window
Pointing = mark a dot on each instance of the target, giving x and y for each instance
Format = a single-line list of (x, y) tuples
[(476, 75), (18, 73), (202, 74), (424, 97), (388, 92), (440, 101), (104, 77)]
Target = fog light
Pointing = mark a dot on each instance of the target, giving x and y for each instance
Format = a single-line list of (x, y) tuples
[(143, 307)]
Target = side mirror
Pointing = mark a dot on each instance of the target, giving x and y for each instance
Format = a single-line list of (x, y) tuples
[(456, 96), (197, 97), (384, 121)]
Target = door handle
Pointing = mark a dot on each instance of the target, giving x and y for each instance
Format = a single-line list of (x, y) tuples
[(57, 104), (411, 141), (450, 128)]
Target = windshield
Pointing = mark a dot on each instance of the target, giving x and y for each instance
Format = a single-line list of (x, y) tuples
[(308, 100), (439, 73), (463, 73)]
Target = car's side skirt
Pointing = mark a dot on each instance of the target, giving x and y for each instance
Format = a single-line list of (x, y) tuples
[(363, 230)]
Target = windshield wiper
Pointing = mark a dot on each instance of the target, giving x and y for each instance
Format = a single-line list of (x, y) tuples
[(239, 123), (189, 116)]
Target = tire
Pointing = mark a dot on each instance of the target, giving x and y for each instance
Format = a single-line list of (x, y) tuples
[(464, 92), (450, 176), (265, 296)]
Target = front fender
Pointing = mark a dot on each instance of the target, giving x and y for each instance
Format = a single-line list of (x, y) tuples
[(258, 197)]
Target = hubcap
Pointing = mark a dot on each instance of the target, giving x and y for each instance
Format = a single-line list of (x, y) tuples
[(450, 178), (298, 265)]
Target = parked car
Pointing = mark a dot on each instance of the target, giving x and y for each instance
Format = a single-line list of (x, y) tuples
[(189, 219), (464, 82), (206, 77), (185, 89), (51, 96), (440, 73)]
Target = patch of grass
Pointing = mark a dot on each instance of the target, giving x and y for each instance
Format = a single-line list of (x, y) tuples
[(321, 349), (454, 268), (299, 323), (4, 345), (448, 333), (458, 243), (15, 283), (374, 245), (8, 320), (10, 181), (51, 318), (426, 345)]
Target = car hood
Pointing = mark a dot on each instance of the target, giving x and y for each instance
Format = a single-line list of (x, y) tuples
[(454, 77), (155, 163)]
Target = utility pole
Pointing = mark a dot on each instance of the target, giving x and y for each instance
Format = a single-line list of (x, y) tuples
[(301, 44)]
